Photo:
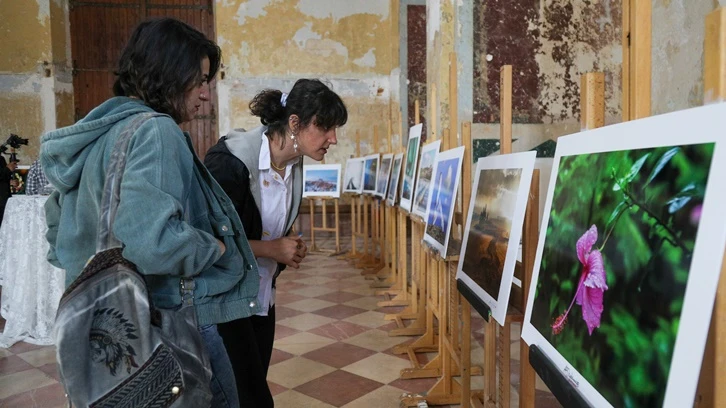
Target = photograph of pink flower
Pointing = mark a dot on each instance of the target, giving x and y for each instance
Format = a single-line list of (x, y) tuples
[(624, 280), (494, 228)]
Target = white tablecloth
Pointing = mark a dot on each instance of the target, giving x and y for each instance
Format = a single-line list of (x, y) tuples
[(31, 287)]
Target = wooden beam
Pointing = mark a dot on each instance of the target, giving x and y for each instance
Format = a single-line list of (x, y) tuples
[(417, 113), (432, 119), (711, 391), (592, 100), (505, 109), (453, 101), (714, 58), (636, 59)]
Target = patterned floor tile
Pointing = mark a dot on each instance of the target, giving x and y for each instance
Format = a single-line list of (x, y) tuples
[(39, 357), (339, 297), (276, 388), (338, 388), (13, 364), (339, 330), (315, 280), (302, 343), (374, 339), (339, 311), (282, 312), (369, 319), (48, 396), (379, 367), (384, 397), (414, 385), (305, 321), (309, 305), (339, 354), (282, 331), (23, 381), (279, 356), (312, 291), (295, 399), (296, 371), (367, 303), (285, 298)]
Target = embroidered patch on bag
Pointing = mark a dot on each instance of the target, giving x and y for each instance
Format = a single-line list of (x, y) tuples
[(109, 340), (158, 383)]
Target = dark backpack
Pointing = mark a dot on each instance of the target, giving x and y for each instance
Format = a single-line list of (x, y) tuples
[(114, 349)]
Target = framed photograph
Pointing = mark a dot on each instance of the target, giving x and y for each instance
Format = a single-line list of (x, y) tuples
[(409, 170), (370, 173), (384, 173), (423, 180), (395, 177), (447, 169), (321, 180), (353, 180), (629, 257), (494, 227)]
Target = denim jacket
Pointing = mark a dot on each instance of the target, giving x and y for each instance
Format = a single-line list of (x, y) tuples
[(169, 218)]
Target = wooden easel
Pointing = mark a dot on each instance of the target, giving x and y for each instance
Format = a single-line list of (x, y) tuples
[(355, 216), (387, 221), (399, 294), (711, 391), (370, 263), (443, 300), (335, 229)]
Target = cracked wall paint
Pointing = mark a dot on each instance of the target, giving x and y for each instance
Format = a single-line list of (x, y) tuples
[(549, 44), (36, 92), (271, 43), (677, 53), (576, 38)]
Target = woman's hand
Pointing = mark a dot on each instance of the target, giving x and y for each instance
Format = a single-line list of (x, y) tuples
[(289, 251), (222, 248)]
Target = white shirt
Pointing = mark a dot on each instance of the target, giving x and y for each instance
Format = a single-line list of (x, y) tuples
[(276, 197)]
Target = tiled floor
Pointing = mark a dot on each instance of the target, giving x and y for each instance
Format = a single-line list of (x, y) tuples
[(332, 349)]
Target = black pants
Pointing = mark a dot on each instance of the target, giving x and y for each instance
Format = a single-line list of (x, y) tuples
[(249, 345)]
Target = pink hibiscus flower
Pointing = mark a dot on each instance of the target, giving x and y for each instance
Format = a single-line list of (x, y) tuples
[(592, 284)]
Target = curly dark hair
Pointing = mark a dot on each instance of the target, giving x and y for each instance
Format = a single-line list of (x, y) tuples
[(310, 100), (162, 61)]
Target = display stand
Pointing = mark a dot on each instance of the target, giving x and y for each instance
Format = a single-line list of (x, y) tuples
[(355, 224), (711, 391), (497, 343), (313, 228), (592, 108), (385, 278), (401, 294)]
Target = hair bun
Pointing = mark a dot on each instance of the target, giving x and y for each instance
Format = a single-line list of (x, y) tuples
[(267, 105)]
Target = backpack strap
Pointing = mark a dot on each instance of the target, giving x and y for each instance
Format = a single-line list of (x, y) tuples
[(112, 185)]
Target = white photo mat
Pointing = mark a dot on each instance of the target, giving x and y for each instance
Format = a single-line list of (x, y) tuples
[(438, 186), (353, 180), (422, 192), (395, 179), (689, 127), (330, 174), (410, 166), (499, 302), (372, 161), (384, 175)]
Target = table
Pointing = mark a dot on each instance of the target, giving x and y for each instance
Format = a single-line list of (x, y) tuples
[(31, 287)]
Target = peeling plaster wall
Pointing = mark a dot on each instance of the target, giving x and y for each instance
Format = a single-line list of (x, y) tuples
[(677, 59), (271, 43), (440, 34), (549, 43), (36, 92)]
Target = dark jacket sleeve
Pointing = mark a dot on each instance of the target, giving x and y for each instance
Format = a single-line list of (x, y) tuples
[(5, 174), (234, 178)]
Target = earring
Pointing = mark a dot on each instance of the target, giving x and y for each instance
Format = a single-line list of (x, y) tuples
[(294, 141)]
